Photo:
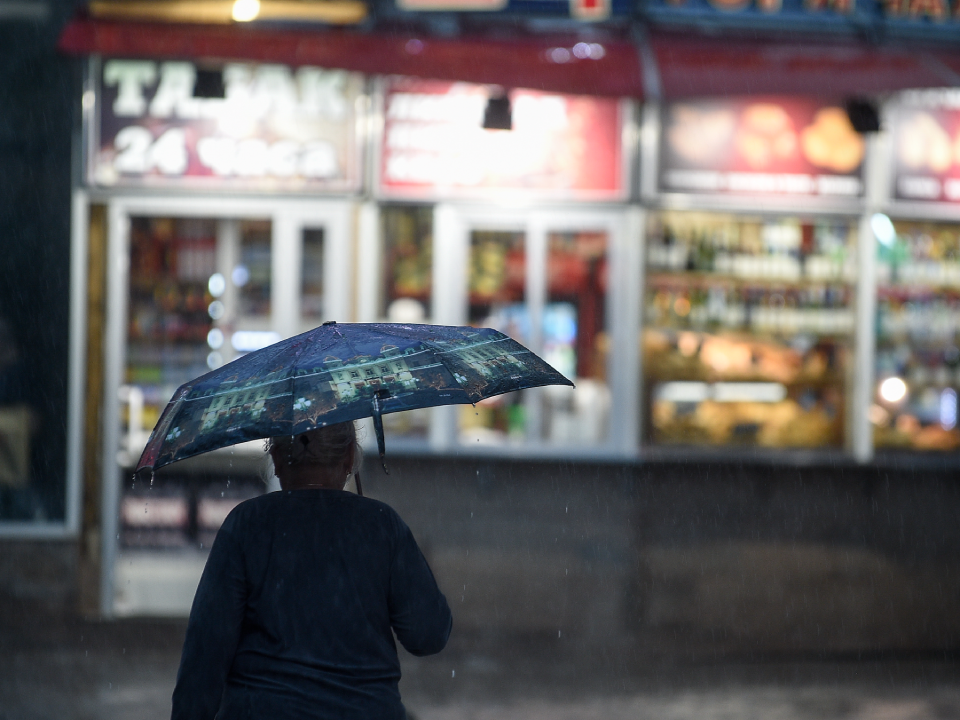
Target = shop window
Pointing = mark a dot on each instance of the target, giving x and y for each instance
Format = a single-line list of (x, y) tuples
[(748, 330), (576, 339), (496, 279), (408, 263), (311, 277), (918, 347), (252, 274), (405, 291), (170, 316)]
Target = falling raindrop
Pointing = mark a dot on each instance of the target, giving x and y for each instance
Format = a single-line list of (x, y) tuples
[(453, 673)]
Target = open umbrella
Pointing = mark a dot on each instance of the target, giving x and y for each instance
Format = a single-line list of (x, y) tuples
[(340, 372)]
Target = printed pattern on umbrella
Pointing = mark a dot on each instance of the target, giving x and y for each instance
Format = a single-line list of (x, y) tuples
[(332, 374)]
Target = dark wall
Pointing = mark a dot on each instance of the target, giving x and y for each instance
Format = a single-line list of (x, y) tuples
[(39, 92), (690, 557)]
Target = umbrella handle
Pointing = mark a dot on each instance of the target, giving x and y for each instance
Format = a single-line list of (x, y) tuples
[(378, 429)]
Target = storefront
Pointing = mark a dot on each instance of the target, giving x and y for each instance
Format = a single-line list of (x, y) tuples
[(706, 271), (751, 277), (918, 277), (227, 220)]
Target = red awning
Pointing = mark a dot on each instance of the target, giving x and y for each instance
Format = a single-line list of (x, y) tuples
[(688, 66), (524, 63), (701, 67)]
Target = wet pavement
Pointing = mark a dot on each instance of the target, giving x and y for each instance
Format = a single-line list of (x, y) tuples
[(69, 669)]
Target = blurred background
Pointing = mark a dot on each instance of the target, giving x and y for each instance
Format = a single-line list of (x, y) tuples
[(735, 224)]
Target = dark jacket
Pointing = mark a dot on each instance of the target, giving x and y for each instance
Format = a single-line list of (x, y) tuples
[(293, 615)]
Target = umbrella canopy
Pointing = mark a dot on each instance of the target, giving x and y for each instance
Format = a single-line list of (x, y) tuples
[(336, 373)]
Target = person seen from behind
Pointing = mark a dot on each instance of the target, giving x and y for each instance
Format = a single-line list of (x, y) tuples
[(296, 611)]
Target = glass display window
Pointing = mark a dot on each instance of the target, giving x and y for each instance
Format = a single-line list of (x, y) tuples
[(748, 330), (576, 340), (252, 275), (406, 284), (407, 270), (311, 277), (917, 362), (497, 298), (170, 317)]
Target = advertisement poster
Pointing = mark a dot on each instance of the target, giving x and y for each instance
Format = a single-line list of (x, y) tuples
[(926, 146), (780, 147), (560, 147), (235, 127)]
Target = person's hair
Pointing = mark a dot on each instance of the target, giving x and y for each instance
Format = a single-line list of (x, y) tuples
[(325, 445)]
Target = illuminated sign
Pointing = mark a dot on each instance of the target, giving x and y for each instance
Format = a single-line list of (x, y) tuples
[(273, 128), (788, 147), (926, 146), (434, 145)]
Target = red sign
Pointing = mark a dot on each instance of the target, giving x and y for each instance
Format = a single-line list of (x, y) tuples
[(560, 146), (789, 147), (926, 141), (275, 128)]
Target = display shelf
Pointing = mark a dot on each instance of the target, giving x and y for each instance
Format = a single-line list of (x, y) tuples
[(749, 326), (917, 359)]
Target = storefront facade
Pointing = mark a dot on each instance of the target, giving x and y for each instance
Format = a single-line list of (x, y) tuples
[(710, 273)]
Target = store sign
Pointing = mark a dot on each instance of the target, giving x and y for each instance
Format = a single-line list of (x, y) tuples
[(434, 144), (274, 128), (926, 144), (782, 147), (924, 18)]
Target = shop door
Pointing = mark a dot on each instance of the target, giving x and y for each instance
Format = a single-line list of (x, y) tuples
[(543, 278), (193, 286)]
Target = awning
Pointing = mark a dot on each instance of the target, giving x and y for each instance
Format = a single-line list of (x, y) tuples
[(541, 63), (702, 67), (677, 66)]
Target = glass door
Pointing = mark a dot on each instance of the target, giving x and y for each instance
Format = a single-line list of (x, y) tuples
[(576, 337), (195, 285), (543, 278), (497, 297)]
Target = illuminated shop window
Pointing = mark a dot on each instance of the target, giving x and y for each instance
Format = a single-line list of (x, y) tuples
[(252, 274), (918, 347), (576, 339), (496, 284), (171, 316), (406, 287), (748, 330), (407, 263), (311, 277)]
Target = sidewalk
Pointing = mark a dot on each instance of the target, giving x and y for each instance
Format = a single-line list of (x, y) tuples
[(68, 669)]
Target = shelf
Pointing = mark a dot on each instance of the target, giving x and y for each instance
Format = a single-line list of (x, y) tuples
[(703, 278)]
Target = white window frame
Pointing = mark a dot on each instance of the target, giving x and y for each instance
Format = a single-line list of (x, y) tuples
[(452, 226), (288, 219)]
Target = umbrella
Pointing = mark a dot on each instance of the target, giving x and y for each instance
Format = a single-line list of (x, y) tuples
[(336, 373)]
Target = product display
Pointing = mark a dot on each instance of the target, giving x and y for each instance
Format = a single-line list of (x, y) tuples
[(496, 281), (748, 330), (406, 287), (171, 261), (918, 333)]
